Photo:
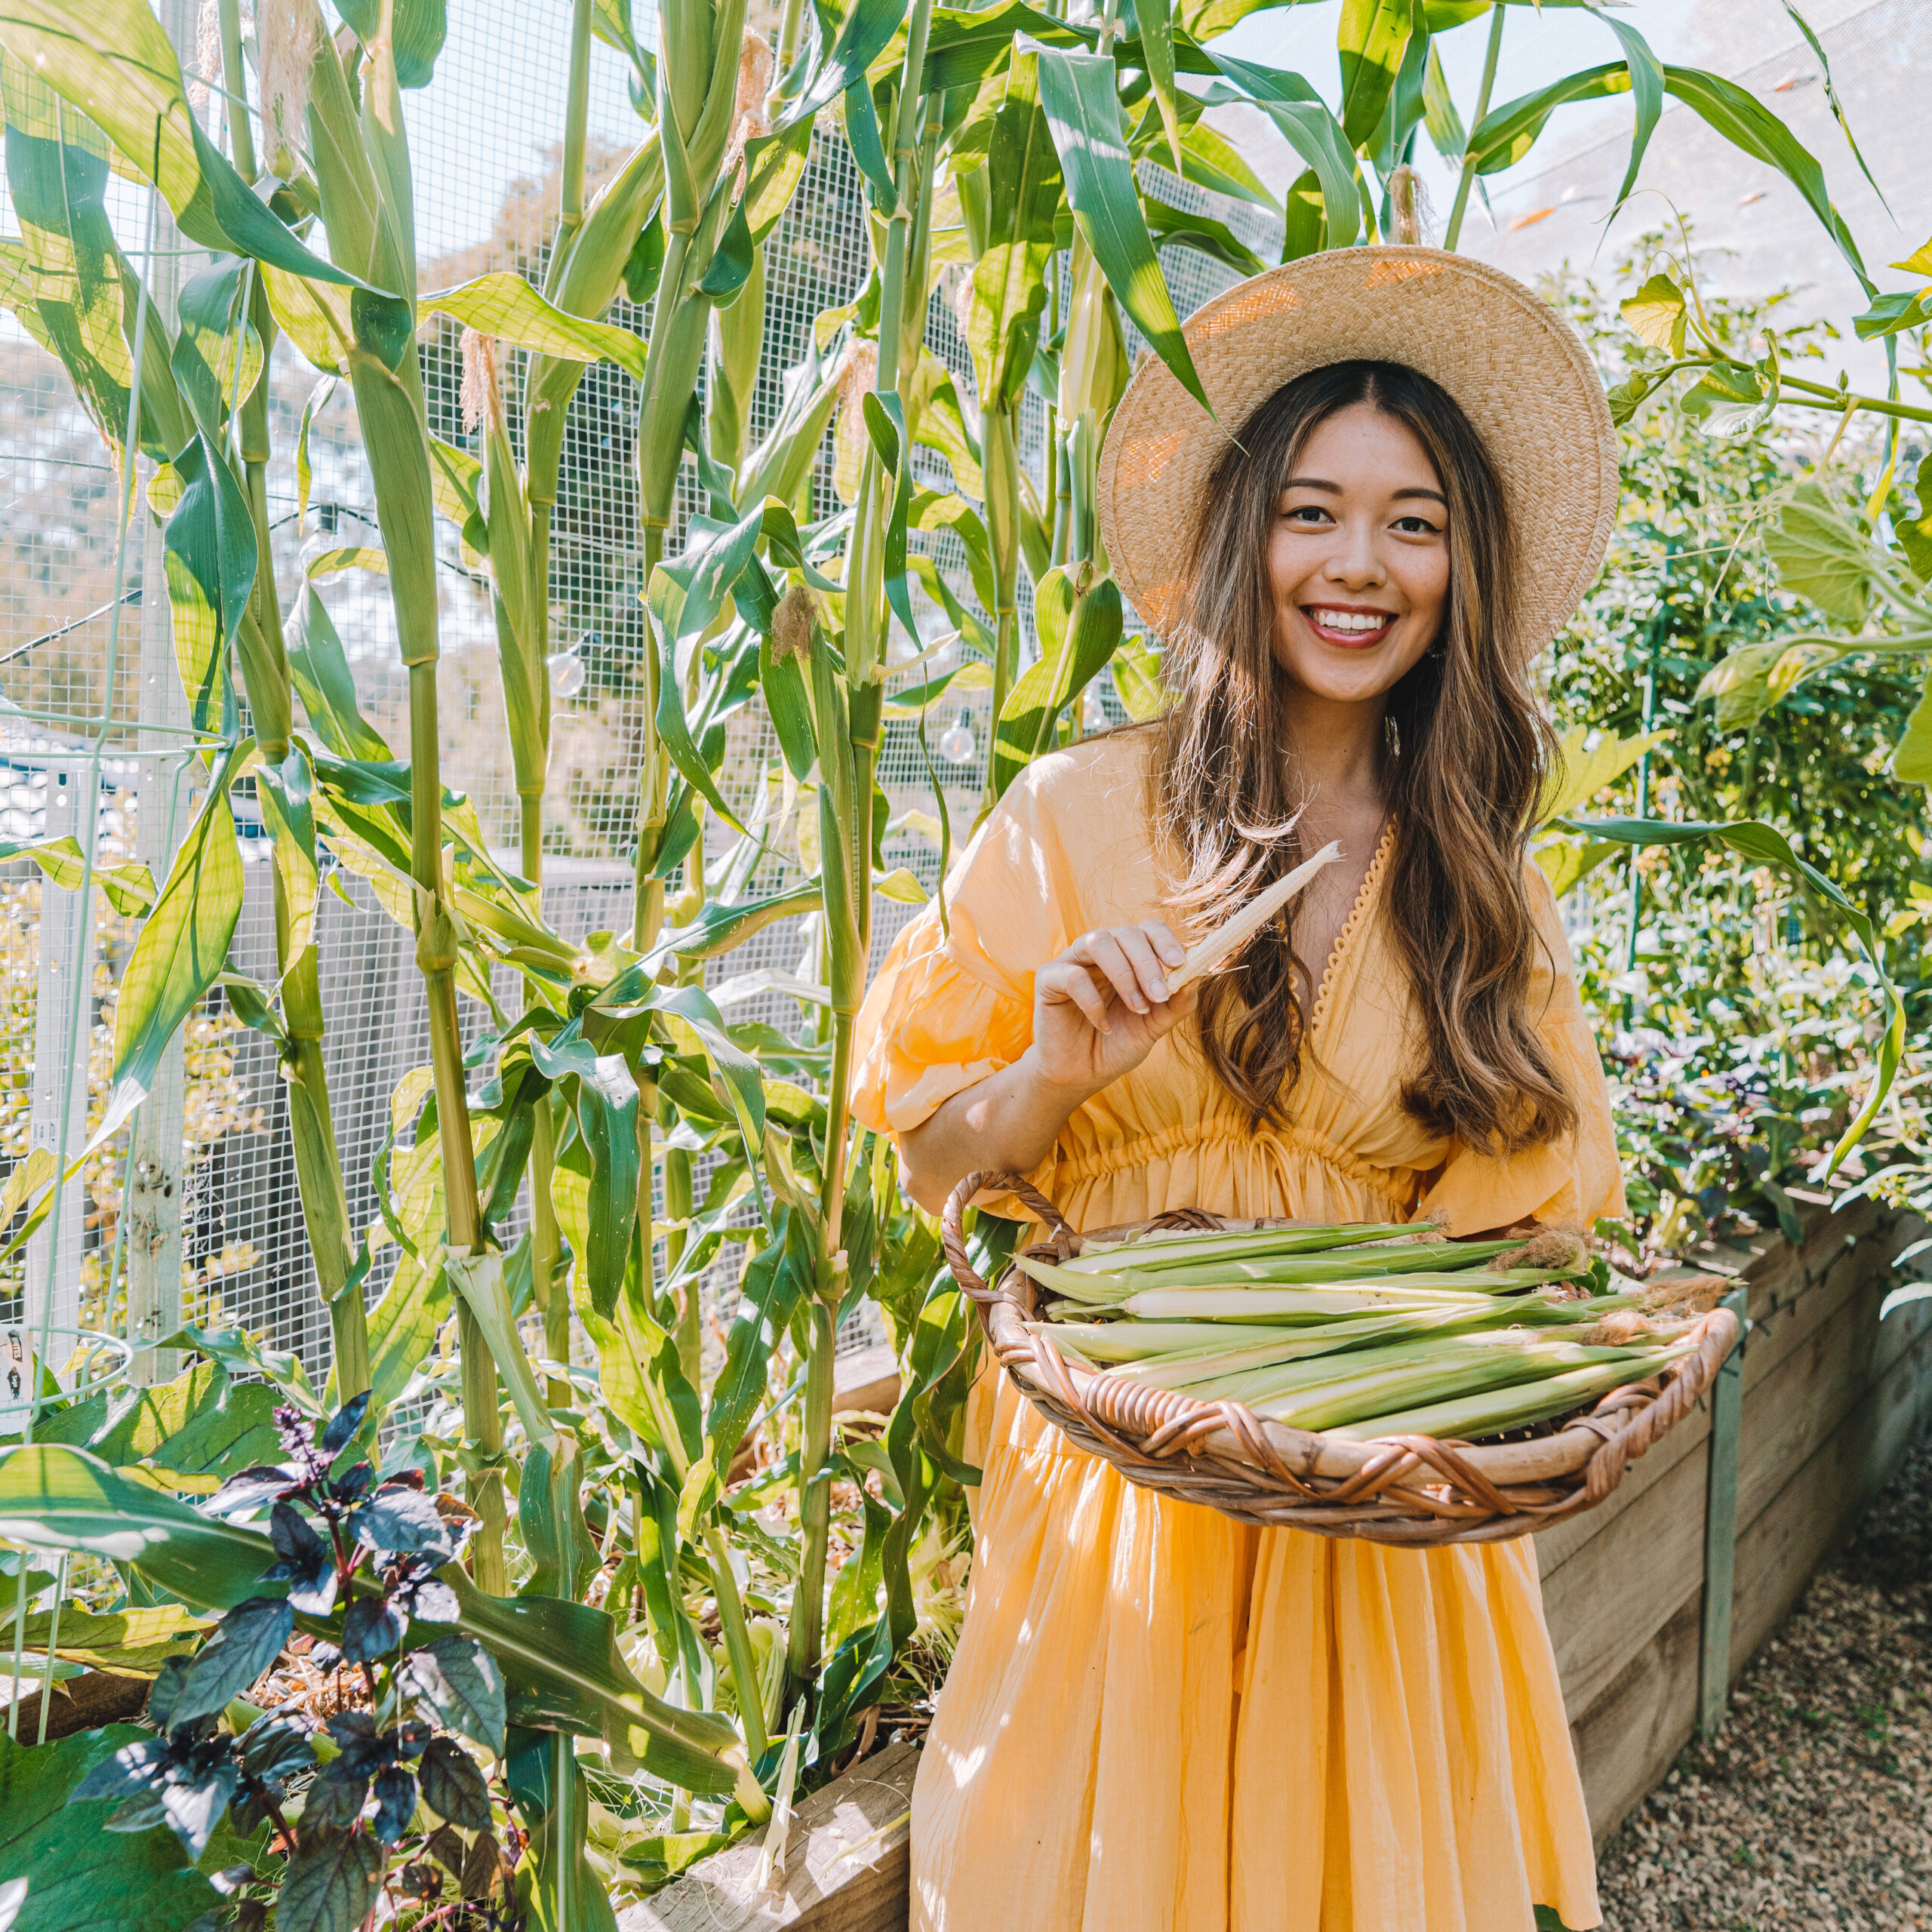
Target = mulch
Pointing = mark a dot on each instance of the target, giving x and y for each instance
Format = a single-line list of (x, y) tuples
[(1813, 1806)]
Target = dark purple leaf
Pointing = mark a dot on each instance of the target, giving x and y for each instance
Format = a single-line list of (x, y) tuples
[(403, 1520), (335, 1799), (373, 1628), (332, 1884), (445, 1845), (307, 1564), (230, 1881), (194, 1806), (344, 1423), (454, 1788), (458, 1681), (347, 1488), (274, 1746), (396, 1804), (422, 1881), (164, 1691), (249, 1639), (412, 1737), (483, 1868), (431, 1600), (348, 1727), (251, 1489), (132, 1768)]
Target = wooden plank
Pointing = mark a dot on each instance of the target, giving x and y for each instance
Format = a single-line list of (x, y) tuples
[(1631, 1735), (866, 1381), (866, 1813), (1800, 1384), (1627, 1733)]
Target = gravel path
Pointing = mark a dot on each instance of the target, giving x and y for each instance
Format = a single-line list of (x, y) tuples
[(1815, 1808)]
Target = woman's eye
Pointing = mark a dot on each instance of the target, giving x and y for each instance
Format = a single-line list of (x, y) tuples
[(1311, 514), (1416, 526)]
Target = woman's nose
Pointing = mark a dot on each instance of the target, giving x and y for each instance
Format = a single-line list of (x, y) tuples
[(1353, 562)]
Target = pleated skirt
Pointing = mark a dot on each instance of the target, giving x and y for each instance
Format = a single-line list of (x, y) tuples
[(1161, 1721)]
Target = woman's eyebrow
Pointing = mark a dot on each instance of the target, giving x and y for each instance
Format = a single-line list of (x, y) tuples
[(1335, 489)]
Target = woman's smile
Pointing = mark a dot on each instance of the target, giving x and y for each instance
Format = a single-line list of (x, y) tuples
[(1352, 627)]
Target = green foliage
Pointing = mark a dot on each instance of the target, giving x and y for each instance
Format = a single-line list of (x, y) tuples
[(53, 1846)]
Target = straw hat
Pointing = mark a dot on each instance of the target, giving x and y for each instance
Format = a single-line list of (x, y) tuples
[(1520, 372)]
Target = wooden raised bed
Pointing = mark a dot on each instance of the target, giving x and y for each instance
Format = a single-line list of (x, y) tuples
[(1832, 1397)]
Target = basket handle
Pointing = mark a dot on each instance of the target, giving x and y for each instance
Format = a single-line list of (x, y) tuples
[(952, 1223)]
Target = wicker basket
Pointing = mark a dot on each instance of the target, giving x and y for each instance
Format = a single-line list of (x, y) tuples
[(1406, 1489)]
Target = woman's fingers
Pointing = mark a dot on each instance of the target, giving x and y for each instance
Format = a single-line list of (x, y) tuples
[(1108, 949), (1143, 951), (1071, 982), (1171, 953)]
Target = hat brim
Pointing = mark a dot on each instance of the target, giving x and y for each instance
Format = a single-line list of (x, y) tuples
[(1519, 370)]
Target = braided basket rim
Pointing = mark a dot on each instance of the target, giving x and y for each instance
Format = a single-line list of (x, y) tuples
[(1410, 1490)]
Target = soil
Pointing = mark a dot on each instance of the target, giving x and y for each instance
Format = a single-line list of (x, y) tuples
[(1813, 1806)]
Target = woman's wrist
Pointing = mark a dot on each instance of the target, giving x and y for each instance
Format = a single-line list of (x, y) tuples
[(1065, 1095)]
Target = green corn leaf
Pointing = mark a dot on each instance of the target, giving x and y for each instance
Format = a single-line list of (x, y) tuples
[(286, 792), (689, 1008), (1838, 114), (57, 174), (933, 404), (605, 1105), (1078, 636), (885, 423), (1157, 46), (210, 550), (1211, 161), (1506, 134), (114, 62), (1390, 142), (1080, 94), (863, 35), (861, 136), (964, 46), (503, 304), (1168, 225), (1447, 134), (776, 1280), (1306, 125), (1747, 123), (129, 887), (418, 26), (184, 943), (319, 668), (1763, 845), (1371, 39), (1023, 195), (319, 400), (1646, 73), (478, 1279), (218, 357), (403, 1327)]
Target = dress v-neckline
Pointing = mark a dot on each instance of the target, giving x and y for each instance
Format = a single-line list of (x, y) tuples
[(1344, 938)]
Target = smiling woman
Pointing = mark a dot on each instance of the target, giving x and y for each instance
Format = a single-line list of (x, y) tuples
[(1158, 1720)]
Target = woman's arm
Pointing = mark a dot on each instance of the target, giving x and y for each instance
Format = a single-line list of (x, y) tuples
[(1098, 1009)]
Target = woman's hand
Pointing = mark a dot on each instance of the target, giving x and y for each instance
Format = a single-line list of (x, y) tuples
[(1100, 1008)]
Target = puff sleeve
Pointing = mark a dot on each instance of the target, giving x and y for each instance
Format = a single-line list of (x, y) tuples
[(1566, 1183), (952, 1005)]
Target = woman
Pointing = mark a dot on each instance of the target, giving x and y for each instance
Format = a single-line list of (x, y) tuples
[(1159, 1720)]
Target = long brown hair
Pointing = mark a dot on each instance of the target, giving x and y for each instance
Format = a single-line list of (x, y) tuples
[(1465, 749)]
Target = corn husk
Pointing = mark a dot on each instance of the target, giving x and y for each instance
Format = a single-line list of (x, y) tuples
[(1222, 945)]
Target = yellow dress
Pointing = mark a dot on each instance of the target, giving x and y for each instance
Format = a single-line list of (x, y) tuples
[(1159, 1720)]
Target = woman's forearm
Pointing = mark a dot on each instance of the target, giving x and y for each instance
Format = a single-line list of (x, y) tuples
[(1007, 1122)]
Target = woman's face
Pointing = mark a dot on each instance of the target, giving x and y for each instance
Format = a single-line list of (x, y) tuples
[(1359, 558)]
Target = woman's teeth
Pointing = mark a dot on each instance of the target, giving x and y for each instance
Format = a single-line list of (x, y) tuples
[(1354, 622)]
